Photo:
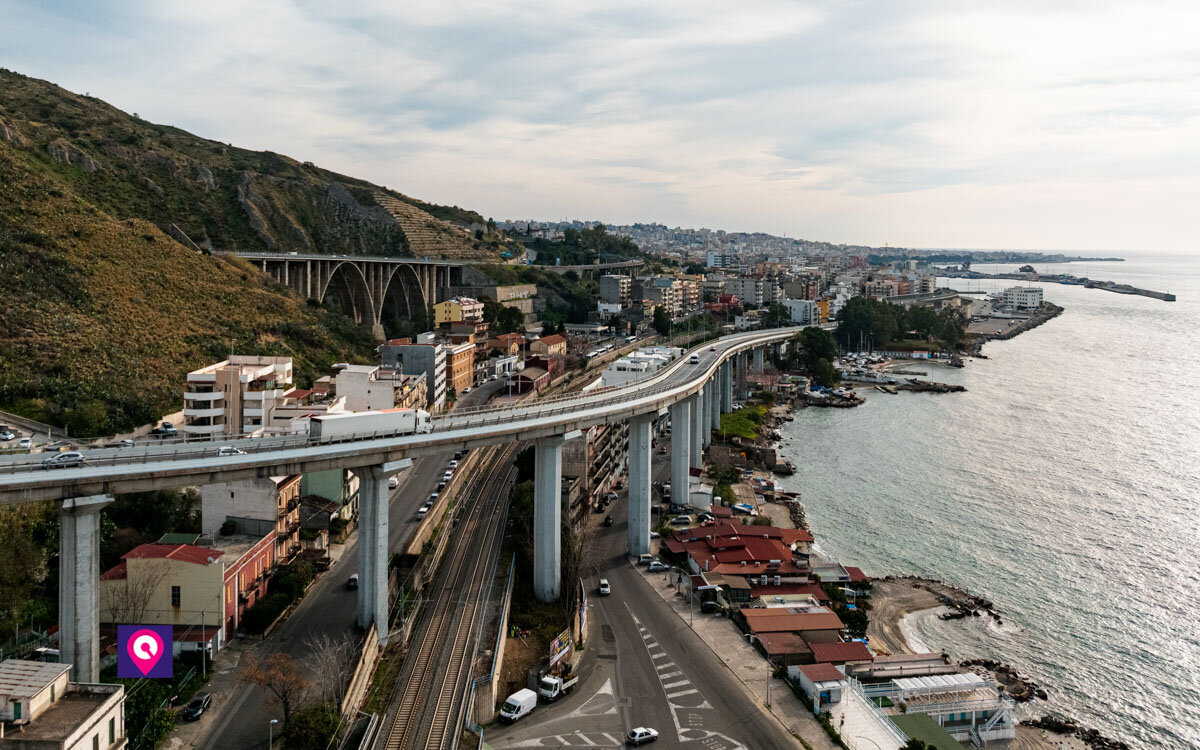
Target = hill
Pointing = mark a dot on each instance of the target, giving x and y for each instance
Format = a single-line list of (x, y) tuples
[(103, 312)]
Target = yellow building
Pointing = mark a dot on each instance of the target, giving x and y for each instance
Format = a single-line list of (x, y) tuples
[(823, 311), (457, 310)]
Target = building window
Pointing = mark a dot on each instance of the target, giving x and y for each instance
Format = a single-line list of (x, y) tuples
[(176, 596), (112, 730), (96, 741)]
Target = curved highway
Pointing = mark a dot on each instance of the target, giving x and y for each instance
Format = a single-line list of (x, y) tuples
[(121, 470)]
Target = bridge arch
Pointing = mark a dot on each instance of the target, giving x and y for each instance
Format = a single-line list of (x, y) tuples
[(347, 287), (403, 292)]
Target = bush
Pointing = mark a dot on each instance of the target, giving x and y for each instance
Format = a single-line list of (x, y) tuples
[(311, 727)]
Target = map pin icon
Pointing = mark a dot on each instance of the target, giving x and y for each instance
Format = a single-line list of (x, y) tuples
[(145, 648)]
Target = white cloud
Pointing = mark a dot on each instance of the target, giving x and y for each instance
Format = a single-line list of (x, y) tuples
[(923, 123)]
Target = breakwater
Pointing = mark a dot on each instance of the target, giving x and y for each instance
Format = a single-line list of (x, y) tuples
[(1067, 279)]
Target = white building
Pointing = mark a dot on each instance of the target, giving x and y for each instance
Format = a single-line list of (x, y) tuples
[(236, 396), (801, 311), (368, 388), (639, 364), (41, 709), (1022, 297), (963, 704), (720, 260)]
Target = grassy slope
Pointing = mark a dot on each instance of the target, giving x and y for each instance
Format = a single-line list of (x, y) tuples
[(103, 317)]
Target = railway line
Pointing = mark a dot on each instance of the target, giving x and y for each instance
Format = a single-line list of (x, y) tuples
[(428, 698)]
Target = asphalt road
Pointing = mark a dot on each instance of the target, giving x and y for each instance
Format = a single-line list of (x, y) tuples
[(239, 721), (643, 667)]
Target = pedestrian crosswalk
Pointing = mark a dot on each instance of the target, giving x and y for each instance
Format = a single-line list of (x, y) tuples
[(680, 691)]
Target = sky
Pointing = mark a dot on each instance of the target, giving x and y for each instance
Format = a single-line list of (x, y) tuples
[(1065, 125)]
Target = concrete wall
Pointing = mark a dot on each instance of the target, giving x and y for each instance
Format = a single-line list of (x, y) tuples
[(254, 498), (360, 681)]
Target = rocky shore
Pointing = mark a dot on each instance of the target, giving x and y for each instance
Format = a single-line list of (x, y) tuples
[(961, 603), (1090, 737), (1018, 688)]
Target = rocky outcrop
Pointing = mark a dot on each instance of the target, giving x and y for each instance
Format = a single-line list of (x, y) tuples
[(64, 152), (10, 134), (1090, 737), (253, 215), (1020, 689), (204, 177)]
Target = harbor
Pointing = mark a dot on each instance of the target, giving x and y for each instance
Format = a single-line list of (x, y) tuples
[(1063, 278)]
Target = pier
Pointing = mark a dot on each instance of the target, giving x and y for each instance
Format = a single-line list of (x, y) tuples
[(1068, 280)]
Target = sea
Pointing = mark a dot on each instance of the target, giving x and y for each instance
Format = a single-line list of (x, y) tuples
[(1064, 485)]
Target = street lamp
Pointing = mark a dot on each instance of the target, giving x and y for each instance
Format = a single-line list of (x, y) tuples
[(751, 637), (271, 733)]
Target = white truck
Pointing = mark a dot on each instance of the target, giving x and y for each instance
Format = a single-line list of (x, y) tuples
[(384, 422), (552, 688), (518, 705)]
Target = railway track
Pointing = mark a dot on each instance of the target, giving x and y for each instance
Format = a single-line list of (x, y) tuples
[(428, 697)]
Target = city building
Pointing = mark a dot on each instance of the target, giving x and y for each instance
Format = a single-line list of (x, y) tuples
[(692, 291), (235, 396), (460, 366), (553, 345), (802, 311), (200, 585), (1022, 297), (338, 486), (42, 710), (615, 290), (639, 364), (597, 458), (720, 260), (457, 310), (962, 704), (749, 289), (424, 356), (371, 388), (881, 288), (517, 296), (528, 380), (507, 344), (256, 507)]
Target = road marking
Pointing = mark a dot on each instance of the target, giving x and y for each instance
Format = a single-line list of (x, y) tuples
[(681, 693), (670, 685)]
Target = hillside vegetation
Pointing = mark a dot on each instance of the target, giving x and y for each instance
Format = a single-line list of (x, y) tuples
[(103, 313)]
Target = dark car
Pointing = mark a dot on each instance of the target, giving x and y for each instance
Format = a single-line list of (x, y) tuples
[(608, 520), (352, 582), (198, 706)]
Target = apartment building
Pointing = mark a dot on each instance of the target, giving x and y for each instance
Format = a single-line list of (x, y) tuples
[(881, 288), (517, 296), (201, 585), (372, 388), (1022, 297), (257, 507), (425, 356), (597, 458), (460, 365), (616, 290), (457, 310), (721, 260), (747, 288), (235, 396), (662, 291), (41, 709), (802, 311), (692, 291)]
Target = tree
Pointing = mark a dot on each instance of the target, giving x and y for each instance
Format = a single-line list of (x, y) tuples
[(281, 677), (817, 344), (916, 744), (332, 663), (492, 310), (825, 374), (127, 599), (662, 321), (511, 320), (777, 315), (312, 727)]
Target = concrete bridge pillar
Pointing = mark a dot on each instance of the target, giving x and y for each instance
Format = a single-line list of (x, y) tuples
[(547, 518), (78, 585), (374, 555), (705, 397), (697, 425), (639, 484), (715, 409), (681, 438), (727, 388), (758, 360)]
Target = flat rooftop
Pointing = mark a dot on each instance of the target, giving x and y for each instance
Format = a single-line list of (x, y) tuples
[(63, 718)]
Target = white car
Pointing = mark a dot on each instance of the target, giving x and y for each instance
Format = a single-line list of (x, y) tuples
[(447, 476), (25, 443), (393, 482), (423, 510), (604, 588), (640, 736), (63, 460), (466, 390), (229, 450), (694, 359), (7, 435), (453, 464)]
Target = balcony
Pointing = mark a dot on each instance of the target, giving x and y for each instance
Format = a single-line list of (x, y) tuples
[(210, 412), (203, 395)]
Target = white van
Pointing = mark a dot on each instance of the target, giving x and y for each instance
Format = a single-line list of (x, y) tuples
[(518, 705)]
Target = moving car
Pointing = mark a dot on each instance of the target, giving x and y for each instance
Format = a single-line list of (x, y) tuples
[(352, 582), (63, 460), (604, 588), (229, 450), (200, 703), (640, 736), (518, 705), (608, 520), (694, 359), (712, 348), (393, 482)]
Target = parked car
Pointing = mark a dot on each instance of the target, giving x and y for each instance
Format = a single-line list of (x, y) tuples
[(604, 588), (352, 582), (646, 559), (229, 450), (705, 517), (424, 509), (658, 566), (200, 703), (167, 427), (7, 435), (608, 520), (662, 451), (64, 460), (441, 485), (640, 736), (454, 464), (466, 390), (25, 443), (433, 497), (680, 521), (447, 476)]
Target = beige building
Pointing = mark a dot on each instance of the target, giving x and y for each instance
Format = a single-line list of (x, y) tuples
[(236, 396), (457, 310), (371, 388), (549, 346), (42, 710), (270, 504), (460, 366)]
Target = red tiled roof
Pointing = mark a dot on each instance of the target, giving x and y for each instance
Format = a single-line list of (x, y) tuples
[(822, 673), (721, 511), (552, 339), (840, 653), (297, 393), (856, 574), (183, 552), (779, 620), (115, 573)]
